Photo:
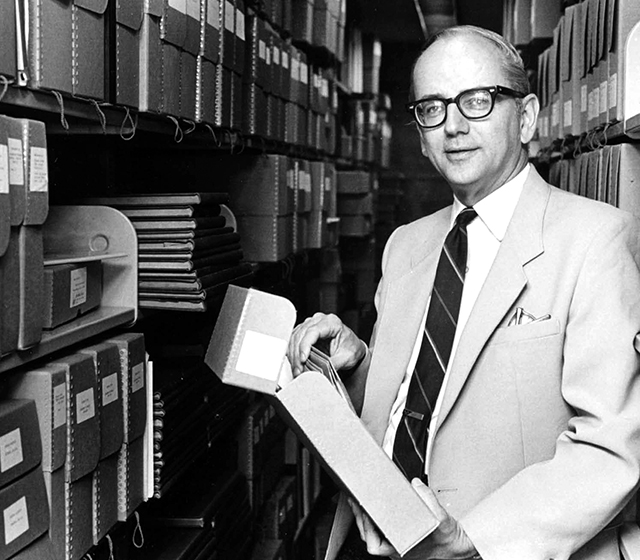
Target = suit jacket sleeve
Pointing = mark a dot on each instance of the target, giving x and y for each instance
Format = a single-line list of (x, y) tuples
[(551, 508)]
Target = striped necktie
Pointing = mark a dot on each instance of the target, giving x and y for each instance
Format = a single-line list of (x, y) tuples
[(442, 318)]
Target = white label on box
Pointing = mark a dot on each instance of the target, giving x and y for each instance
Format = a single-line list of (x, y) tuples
[(583, 99), (38, 171), (604, 98), (613, 90), (77, 287), (304, 73), (262, 47), (261, 355), (325, 88), (285, 59), (555, 113), (109, 389), (596, 102), (59, 405), (179, 5), (4, 169), (10, 450), (591, 111), (240, 25), (567, 114), (16, 169), (16, 520), (295, 68), (193, 9), (327, 184), (267, 55), (229, 12), (85, 406), (213, 13), (137, 377), (276, 55)]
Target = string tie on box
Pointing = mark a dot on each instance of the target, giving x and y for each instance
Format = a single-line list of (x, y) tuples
[(5, 86), (110, 542), (216, 140), (133, 124), (101, 115), (139, 542), (178, 135), (63, 118)]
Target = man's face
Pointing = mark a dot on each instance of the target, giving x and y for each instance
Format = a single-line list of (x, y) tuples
[(474, 156)]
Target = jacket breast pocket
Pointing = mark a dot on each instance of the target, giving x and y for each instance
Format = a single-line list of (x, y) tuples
[(529, 331)]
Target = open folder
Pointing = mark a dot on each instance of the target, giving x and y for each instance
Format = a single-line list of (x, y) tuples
[(248, 349)]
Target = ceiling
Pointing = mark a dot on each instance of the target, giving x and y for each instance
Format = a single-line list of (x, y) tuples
[(397, 21)]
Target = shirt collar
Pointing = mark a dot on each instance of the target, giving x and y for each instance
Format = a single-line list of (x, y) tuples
[(496, 209)]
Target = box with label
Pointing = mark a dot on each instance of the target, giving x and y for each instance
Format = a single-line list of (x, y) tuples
[(130, 477), (25, 512), (106, 361), (248, 349), (47, 386), (20, 447), (83, 427), (240, 38), (71, 290), (228, 34), (40, 549), (129, 17), (211, 30), (88, 48), (188, 86), (151, 84), (71, 527), (134, 395), (104, 496), (50, 45)]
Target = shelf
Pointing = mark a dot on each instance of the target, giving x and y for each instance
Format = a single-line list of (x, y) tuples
[(93, 323)]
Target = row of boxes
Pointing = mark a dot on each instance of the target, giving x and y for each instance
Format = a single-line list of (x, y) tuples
[(282, 204), (608, 174), (526, 21), (581, 76), (91, 417)]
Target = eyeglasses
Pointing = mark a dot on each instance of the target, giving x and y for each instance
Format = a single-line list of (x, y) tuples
[(476, 103)]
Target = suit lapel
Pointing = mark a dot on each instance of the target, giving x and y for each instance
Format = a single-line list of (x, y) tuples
[(506, 280), (400, 321)]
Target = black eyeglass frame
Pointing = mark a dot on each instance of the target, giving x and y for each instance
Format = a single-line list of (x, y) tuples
[(494, 91)]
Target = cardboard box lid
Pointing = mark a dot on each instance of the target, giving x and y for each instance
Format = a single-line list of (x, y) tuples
[(20, 447), (249, 341), (95, 6), (47, 386), (130, 13)]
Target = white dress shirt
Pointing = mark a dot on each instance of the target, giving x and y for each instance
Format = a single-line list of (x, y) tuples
[(484, 235)]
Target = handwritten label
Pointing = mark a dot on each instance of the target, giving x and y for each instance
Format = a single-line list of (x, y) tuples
[(38, 170), (77, 287), (10, 450), (137, 377), (59, 405), (16, 520), (85, 406), (109, 389), (16, 168)]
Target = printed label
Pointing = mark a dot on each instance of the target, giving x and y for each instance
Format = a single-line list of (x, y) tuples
[(109, 389), (555, 113), (276, 55), (567, 114), (77, 287), (304, 73), (295, 68), (285, 60), (4, 169), (229, 15), (267, 55), (213, 13), (16, 168), (613, 90), (262, 47), (59, 405), (583, 99), (16, 520), (10, 450), (38, 171), (261, 355), (137, 377), (240, 25), (85, 406)]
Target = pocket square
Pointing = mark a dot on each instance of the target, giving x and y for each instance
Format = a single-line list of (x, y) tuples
[(522, 317)]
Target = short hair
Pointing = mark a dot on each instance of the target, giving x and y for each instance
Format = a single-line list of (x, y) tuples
[(512, 64)]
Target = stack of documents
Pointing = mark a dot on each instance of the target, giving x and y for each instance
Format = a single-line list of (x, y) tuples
[(188, 247)]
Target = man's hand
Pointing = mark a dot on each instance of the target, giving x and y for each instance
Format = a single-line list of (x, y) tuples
[(447, 542), (346, 349)]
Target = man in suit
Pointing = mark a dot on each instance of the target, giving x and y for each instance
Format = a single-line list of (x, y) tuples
[(533, 444)]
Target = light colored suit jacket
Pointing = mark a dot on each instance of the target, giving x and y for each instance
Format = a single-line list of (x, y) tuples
[(537, 448)]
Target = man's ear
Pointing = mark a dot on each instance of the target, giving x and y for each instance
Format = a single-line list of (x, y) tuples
[(529, 118)]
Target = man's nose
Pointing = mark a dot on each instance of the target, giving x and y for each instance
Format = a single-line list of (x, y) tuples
[(455, 122)]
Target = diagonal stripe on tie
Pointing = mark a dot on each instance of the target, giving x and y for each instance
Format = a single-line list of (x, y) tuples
[(411, 437)]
